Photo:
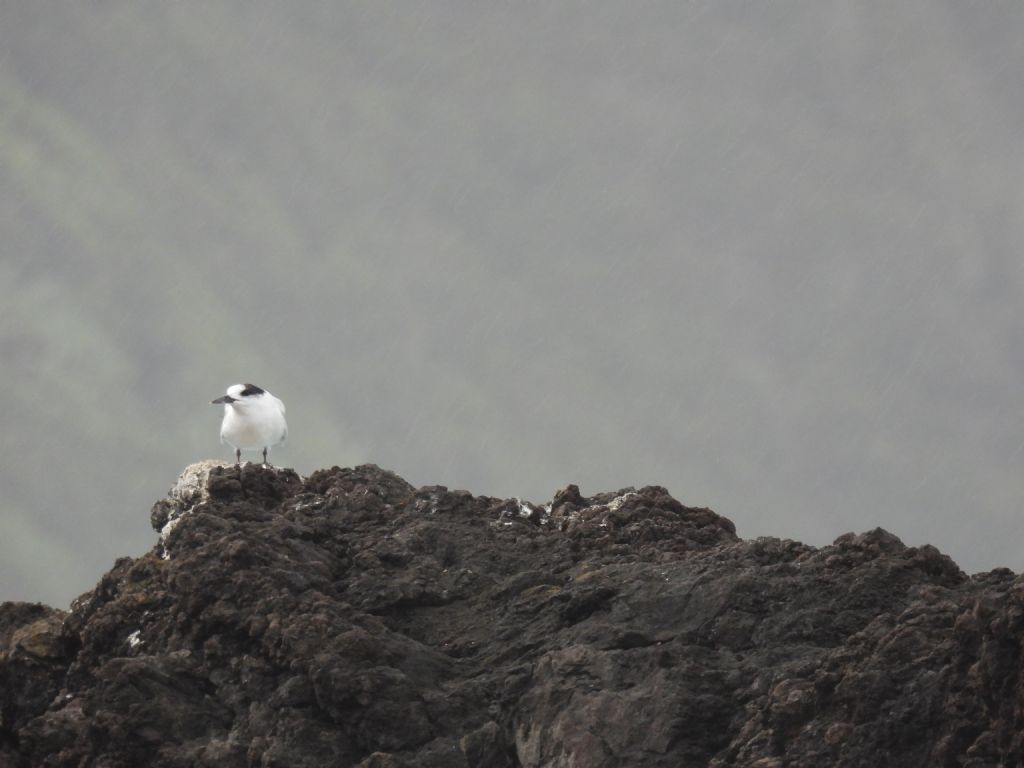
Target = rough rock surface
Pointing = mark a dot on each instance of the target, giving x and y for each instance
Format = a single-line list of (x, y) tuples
[(350, 619)]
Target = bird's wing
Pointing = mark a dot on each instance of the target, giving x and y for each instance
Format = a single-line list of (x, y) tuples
[(281, 404)]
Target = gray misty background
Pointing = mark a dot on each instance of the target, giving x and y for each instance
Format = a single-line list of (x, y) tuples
[(765, 255)]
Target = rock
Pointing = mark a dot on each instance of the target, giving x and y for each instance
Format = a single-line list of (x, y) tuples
[(34, 655), (351, 619)]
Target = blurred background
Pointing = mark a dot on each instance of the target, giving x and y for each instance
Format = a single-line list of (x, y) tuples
[(764, 255)]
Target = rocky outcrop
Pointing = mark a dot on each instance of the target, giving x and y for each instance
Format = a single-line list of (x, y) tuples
[(350, 619)]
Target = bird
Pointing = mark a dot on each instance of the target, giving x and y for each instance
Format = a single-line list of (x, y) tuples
[(253, 419)]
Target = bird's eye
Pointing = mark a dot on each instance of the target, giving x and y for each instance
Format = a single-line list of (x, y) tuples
[(251, 389)]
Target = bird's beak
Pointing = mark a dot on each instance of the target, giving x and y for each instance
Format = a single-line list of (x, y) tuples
[(223, 399)]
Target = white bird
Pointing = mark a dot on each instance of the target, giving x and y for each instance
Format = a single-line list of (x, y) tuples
[(253, 419)]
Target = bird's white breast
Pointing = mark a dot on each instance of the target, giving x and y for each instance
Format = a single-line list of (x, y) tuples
[(254, 424)]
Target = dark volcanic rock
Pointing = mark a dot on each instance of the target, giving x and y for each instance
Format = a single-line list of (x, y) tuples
[(34, 655), (350, 619)]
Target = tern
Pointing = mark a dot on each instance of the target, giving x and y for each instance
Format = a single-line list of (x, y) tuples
[(253, 419)]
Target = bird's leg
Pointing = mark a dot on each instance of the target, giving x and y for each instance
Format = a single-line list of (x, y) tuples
[(265, 462), (238, 456)]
